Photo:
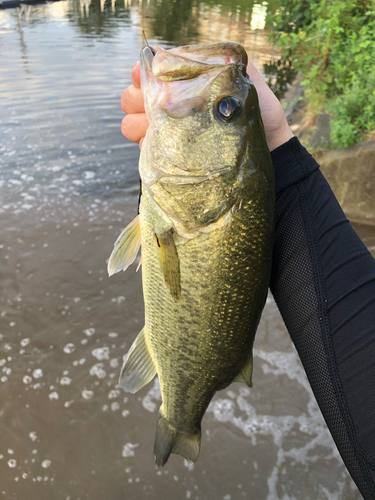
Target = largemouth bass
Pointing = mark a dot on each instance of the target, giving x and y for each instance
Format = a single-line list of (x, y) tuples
[(205, 223)]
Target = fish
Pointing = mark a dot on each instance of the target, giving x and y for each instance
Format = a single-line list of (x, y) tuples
[(206, 229)]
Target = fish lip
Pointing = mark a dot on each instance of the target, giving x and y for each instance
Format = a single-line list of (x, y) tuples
[(147, 56)]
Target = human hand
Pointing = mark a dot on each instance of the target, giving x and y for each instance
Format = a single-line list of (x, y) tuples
[(135, 123)]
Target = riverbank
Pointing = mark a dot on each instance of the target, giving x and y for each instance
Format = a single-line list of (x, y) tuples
[(349, 171)]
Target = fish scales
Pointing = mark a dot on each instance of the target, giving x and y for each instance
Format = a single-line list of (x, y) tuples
[(206, 222), (214, 323)]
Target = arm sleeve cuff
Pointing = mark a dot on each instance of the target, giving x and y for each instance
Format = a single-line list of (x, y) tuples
[(292, 162)]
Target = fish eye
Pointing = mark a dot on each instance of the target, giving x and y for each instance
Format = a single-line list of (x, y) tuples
[(228, 108)]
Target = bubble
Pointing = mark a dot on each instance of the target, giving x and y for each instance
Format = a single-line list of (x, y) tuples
[(46, 463), (188, 464), (26, 379), (105, 408), (68, 403), (114, 363), (2, 362), (4, 379), (89, 332), (69, 348), (10, 451), (119, 299), (115, 393), (33, 436), (125, 413), (98, 371), (115, 406), (128, 448), (53, 395), (38, 373), (87, 394), (101, 353), (113, 335), (65, 381), (12, 463)]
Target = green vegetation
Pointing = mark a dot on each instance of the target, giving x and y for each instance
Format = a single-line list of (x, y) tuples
[(332, 43)]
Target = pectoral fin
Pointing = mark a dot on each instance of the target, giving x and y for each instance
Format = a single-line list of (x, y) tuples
[(246, 374), (126, 248), (138, 369), (169, 262)]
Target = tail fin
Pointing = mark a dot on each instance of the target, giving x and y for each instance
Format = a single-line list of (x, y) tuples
[(169, 440)]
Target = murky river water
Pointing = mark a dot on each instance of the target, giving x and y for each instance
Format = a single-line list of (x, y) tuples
[(68, 186)]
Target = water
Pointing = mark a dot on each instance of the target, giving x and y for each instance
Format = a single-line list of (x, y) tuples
[(68, 185)]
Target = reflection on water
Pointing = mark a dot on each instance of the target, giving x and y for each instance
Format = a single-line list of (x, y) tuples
[(68, 185)]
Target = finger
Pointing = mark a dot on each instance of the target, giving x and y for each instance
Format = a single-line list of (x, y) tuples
[(132, 100), (136, 75), (257, 79), (134, 126)]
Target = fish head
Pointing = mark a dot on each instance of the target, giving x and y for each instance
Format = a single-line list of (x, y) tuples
[(205, 131)]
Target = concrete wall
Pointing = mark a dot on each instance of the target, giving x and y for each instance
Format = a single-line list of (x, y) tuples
[(351, 175)]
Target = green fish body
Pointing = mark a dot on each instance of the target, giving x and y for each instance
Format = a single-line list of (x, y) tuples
[(205, 224)]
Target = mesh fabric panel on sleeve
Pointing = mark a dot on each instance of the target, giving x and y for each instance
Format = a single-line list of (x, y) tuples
[(323, 281)]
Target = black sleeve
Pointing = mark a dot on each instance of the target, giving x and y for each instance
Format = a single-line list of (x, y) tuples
[(323, 281)]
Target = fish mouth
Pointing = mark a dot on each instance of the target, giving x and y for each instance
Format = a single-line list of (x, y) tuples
[(170, 78), (191, 61)]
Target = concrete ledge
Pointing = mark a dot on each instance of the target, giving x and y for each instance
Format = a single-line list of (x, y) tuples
[(351, 175)]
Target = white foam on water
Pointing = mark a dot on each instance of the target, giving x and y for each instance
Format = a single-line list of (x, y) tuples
[(128, 448), (114, 393), (188, 465), (46, 463), (33, 436), (38, 373), (12, 463), (89, 332), (53, 396), (69, 348), (101, 353), (65, 381), (280, 428), (87, 394), (153, 394), (98, 371), (27, 379)]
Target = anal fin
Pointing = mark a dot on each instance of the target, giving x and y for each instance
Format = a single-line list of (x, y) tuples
[(169, 262), (138, 368), (126, 248), (246, 374)]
